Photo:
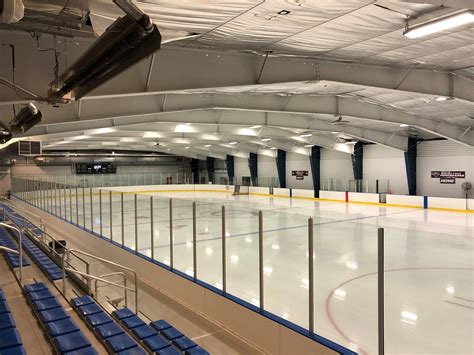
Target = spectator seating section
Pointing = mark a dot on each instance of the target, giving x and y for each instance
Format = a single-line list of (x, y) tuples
[(105, 328), (10, 341), (13, 260), (158, 337), (64, 334), (49, 267)]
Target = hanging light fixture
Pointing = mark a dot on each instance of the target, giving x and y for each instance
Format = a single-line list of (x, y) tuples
[(442, 24)]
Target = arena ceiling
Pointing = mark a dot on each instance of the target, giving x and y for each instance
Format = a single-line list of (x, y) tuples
[(243, 76)]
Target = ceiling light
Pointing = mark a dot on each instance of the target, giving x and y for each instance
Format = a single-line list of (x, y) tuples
[(233, 143), (255, 127), (334, 132), (305, 135), (188, 124), (207, 145), (403, 125), (284, 12), (266, 139), (168, 149), (439, 25), (273, 148), (186, 147), (351, 142), (309, 145), (441, 98)]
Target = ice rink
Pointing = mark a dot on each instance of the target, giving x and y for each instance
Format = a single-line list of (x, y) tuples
[(429, 256)]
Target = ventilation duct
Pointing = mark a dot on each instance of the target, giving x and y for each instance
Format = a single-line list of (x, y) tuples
[(128, 40)]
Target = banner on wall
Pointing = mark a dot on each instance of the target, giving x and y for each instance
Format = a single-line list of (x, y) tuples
[(448, 174), (300, 174)]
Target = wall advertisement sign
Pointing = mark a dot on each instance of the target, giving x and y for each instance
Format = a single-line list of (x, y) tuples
[(300, 174), (448, 177)]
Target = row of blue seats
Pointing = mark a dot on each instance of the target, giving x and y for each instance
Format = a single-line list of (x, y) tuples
[(49, 267), (105, 328), (63, 332), (10, 341), (13, 260), (158, 337)]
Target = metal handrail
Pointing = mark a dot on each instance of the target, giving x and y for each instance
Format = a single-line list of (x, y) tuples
[(20, 242), (73, 251), (113, 274)]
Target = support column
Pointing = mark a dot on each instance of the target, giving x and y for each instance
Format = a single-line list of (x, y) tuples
[(281, 167), (410, 165), (210, 162), (315, 160), (195, 170), (357, 164), (229, 163), (253, 166)]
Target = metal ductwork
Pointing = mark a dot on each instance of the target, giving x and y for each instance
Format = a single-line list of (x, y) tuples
[(128, 40), (11, 11)]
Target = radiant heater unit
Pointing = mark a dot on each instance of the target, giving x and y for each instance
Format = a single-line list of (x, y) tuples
[(25, 119), (128, 40)]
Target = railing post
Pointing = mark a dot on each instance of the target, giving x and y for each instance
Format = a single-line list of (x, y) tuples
[(224, 257), (92, 212), (55, 199), (70, 204), (123, 222), (63, 267), (152, 229), (380, 275), (100, 211), (84, 207), (136, 225), (77, 207), (311, 273), (194, 242), (171, 233), (65, 202), (88, 271), (260, 258), (110, 219)]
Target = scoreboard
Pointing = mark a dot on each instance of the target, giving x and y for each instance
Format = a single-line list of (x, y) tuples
[(95, 168)]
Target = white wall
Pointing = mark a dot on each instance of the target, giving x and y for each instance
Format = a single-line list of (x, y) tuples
[(298, 162), (383, 163), (241, 167), (267, 167), (336, 165), (443, 155)]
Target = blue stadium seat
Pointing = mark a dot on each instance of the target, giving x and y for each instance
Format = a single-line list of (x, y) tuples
[(133, 351), (143, 332), (48, 303), (2, 295), (108, 330), (71, 341), (9, 338), (61, 327), (35, 287), (4, 307), (160, 325), (183, 343), (171, 333), (196, 351), (84, 351), (16, 350), (40, 295), (169, 351), (120, 343), (156, 342), (132, 322), (98, 319), (6, 321), (89, 309), (82, 301), (53, 315), (123, 313)]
